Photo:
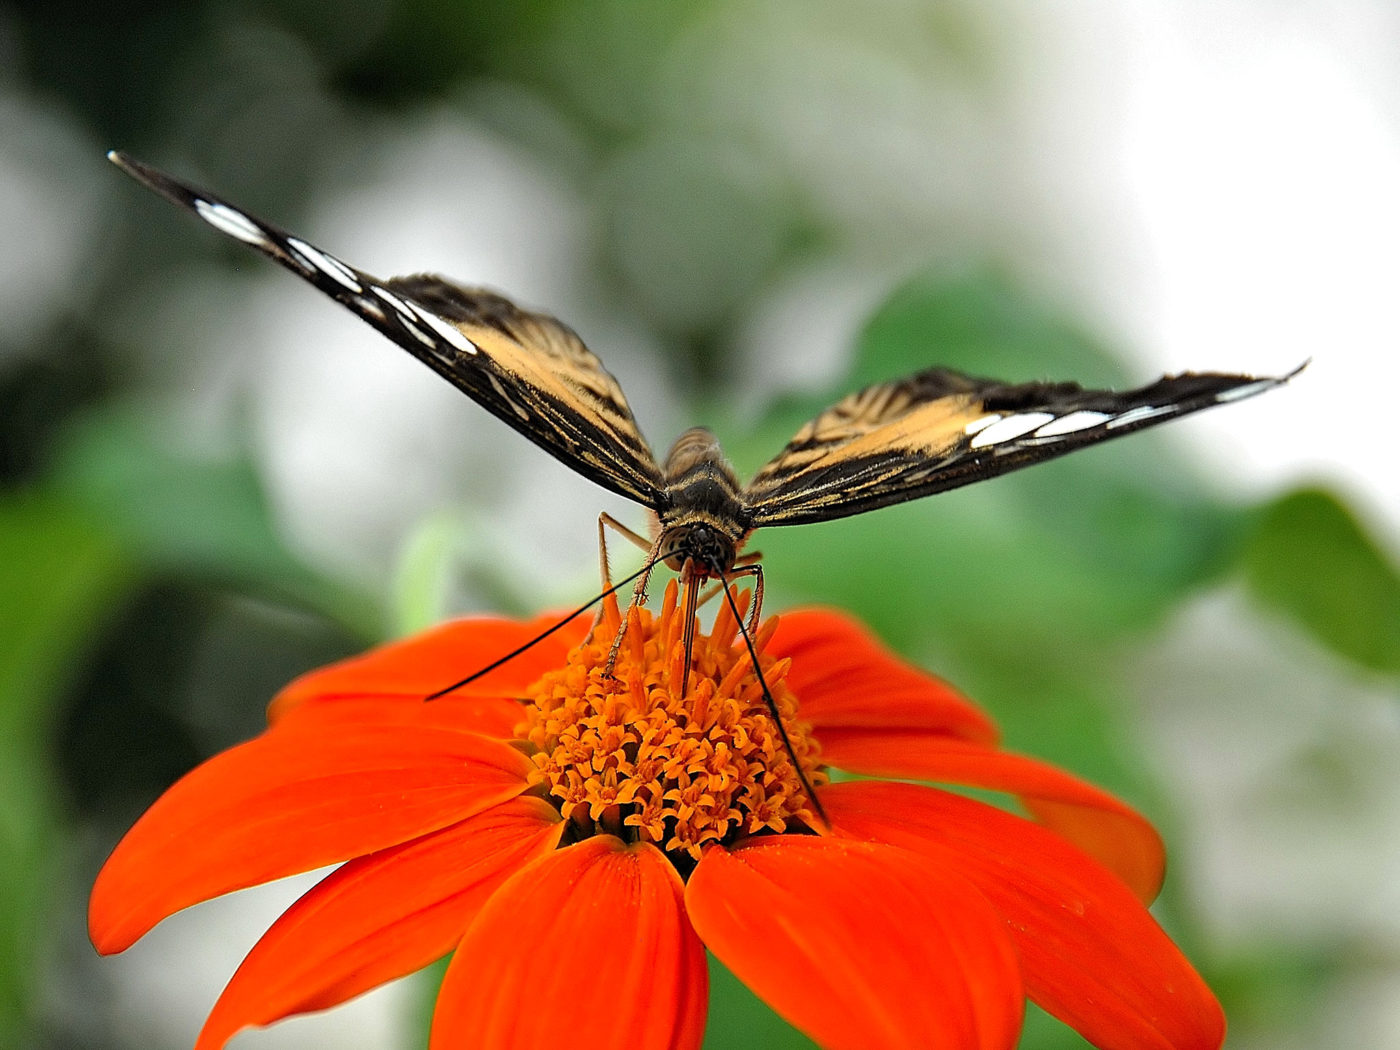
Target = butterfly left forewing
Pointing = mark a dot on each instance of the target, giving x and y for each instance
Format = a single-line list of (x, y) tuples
[(940, 429), (539, 377), (528, 369)]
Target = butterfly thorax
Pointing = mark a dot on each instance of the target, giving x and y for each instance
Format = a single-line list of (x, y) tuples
[(705, 520)]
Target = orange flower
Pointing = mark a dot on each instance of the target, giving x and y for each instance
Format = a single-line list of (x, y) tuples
[(578, 860)]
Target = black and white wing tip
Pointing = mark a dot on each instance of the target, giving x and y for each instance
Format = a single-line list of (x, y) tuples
[(223, 216), (1095, 415), (407, 322)]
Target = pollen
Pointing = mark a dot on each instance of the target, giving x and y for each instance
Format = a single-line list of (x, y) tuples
[(652, 754)]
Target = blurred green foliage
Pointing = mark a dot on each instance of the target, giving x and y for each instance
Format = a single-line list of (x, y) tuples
[(58, 579), (1308, 557), (194, 516), (150, 602), (740, 1018)]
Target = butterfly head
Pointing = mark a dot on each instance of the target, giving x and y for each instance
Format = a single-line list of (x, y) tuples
[(706, 549)]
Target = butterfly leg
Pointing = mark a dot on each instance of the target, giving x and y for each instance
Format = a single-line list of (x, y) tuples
[(607, 521), (743, 562), (749, 566), (639, 593)]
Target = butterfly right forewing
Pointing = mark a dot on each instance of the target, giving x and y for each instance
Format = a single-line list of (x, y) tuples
[(528, 369)]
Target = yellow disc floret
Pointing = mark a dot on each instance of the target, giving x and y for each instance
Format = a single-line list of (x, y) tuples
[(629, 755)]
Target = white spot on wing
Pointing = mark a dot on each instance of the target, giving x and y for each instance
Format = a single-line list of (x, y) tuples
[(980, 424), (233, 223), (1072, 423), (1240, 392), (393, 300), (448, 331), (1137, 415), (418, 333), (501, 391), (369, 307), (319, 260), (1010, 427)]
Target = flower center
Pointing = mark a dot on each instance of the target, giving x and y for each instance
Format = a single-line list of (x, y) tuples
[(629, 755)]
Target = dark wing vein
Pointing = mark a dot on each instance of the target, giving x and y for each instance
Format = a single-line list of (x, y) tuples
[(940, 429), (528, 369)]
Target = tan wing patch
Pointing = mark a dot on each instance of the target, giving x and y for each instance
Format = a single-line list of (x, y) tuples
[(538, 363), (884, 420), (931, 429)]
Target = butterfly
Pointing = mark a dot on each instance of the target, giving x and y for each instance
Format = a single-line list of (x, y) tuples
[(929, 432)]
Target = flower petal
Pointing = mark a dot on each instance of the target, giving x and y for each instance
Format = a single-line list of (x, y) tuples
[(1090, 952), (588, 946), (380, 917), (842, 676), (286, 803), (490, 716), (858, 944), (413, 668), (1105, 828)]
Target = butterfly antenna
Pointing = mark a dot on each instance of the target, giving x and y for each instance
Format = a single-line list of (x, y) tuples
[(772, 705), (539, 637)]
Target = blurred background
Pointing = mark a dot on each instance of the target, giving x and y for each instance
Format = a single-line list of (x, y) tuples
[(214, 479)]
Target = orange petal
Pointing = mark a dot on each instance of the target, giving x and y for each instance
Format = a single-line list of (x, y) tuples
[(380, 917), (1090, 952), (842, 676), (286, 803), (489, 715), (860, 945), (415, 667), (589, 946), (1105, 828)]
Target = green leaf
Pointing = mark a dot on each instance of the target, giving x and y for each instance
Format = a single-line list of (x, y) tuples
[(1309, 558), (424, 566), (1041, 1031), (738, 1018), (1088, 563), (978, 322), (193, 514), (60, 575)]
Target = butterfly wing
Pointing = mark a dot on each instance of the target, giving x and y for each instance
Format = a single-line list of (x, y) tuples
[(940, 429), (527, 369)]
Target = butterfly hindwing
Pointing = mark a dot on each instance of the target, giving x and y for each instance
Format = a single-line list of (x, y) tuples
[(939, 429), (527, 369)]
